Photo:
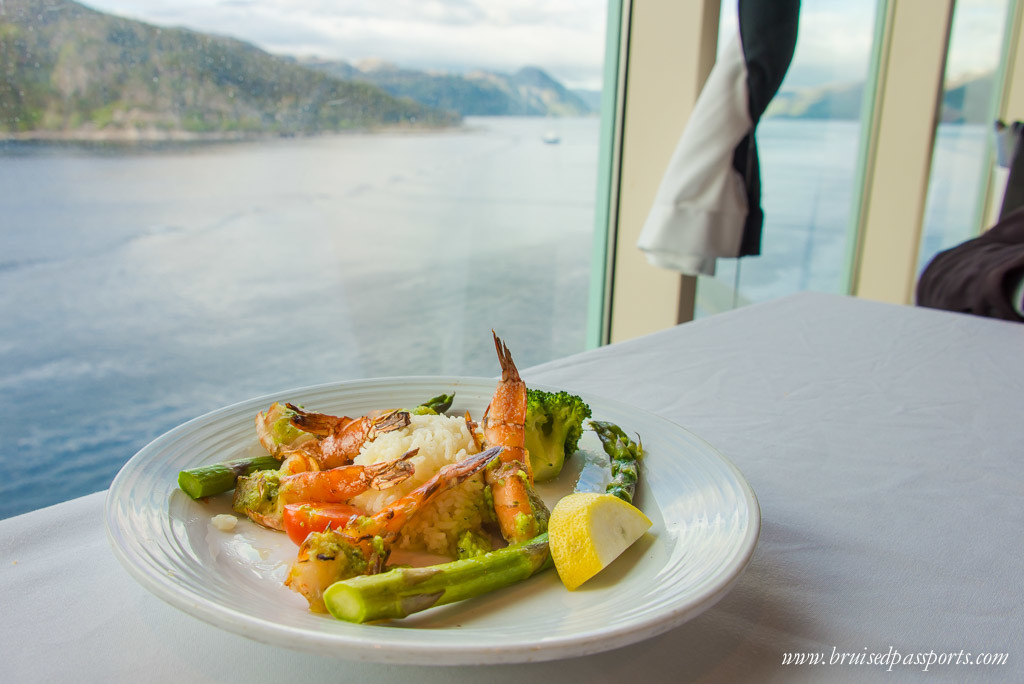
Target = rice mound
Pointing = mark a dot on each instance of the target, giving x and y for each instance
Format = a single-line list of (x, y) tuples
[(441, 440)]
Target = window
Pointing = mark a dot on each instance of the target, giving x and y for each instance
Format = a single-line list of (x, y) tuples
[(278, 195), (808, 142), (964, 140), (159, 260)]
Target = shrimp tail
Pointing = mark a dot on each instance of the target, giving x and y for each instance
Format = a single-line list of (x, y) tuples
[(388, 522), (341, 438), (454, 474), (319, 424), (509, 372), (393, 420), (390, 473)]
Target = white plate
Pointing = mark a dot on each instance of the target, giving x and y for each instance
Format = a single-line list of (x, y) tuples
[(706, 523)]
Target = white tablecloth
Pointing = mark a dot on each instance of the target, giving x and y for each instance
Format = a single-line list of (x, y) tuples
[(886, 448)]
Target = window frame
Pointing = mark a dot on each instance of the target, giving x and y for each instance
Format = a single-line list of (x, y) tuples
[(663, 41)]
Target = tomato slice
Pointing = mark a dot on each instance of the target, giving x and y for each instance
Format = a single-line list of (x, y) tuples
[(302, 518)]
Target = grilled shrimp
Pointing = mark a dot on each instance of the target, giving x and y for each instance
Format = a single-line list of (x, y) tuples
[(338, 485), (362, 547), (521, 513), (340, 438), (299, 461), (276, 433), (262, 496)]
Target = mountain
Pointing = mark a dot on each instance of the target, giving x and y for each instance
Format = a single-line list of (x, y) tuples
[(69, 70), (528, 92), (592, 98), (969, 100), (828, 102), (965, 102)]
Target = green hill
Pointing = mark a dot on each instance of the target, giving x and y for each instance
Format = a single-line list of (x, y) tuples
[(71, 71), (966, 102), (969, 101), (829, 102)]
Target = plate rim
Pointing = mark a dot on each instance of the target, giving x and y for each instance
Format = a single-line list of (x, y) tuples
[(355, 648)]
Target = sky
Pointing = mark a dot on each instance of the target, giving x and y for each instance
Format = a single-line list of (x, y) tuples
[(564, 37), (835, 40)]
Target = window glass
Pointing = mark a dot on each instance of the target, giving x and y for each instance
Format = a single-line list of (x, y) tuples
[(964, 140), (202, 203), (808, 143)]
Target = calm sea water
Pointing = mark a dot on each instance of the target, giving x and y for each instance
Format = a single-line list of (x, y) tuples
[(142, 287), (808, 170)]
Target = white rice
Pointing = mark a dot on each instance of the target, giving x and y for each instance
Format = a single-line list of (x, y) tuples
[(441, 440), (224, 522)]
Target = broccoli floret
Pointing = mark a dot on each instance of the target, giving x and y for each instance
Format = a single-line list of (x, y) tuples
[(472, 544), (554, 425), (258, 496)]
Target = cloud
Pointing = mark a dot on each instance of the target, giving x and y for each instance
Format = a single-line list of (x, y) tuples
[(975, 45), (564, 37), (836, 39), (833, 43)]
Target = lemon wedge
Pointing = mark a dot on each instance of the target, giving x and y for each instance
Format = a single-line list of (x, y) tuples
[(587, 531)]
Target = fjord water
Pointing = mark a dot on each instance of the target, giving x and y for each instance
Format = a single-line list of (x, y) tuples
[(141, 287)]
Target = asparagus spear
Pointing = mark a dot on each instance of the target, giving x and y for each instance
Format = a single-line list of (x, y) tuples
[(435, 405), (625, 457), (403, 591), (221, 477)]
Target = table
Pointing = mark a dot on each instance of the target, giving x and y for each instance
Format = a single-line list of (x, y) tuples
[(885, 446)]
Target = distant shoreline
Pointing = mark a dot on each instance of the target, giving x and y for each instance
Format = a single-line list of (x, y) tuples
[(157, 135)]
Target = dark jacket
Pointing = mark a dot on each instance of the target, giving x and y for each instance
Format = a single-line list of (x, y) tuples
[(978, 276)]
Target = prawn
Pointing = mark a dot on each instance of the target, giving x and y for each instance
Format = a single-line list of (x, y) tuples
[(339, 438), (263, 495), (297, 461), (338, 485), (521, 513), (362, 546), (276, 433)]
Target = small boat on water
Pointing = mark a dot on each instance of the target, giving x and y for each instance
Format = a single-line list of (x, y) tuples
[(551, 138)]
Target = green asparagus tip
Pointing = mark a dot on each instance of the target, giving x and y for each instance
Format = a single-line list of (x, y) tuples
[(435, 405), (346, 604), (218, 478), (190, 484)]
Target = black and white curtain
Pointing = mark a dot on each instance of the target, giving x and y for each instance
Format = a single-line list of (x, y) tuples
[(708, 205)]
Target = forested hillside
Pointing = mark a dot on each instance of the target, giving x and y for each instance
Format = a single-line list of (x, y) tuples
[(68, 70)]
